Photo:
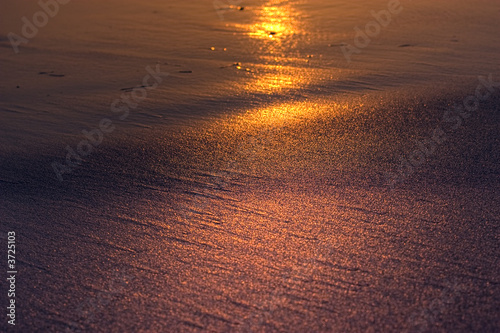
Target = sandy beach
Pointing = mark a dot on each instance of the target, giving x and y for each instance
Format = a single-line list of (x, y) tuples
[(250, 166)]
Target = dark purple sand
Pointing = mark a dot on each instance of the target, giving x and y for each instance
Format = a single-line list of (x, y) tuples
[(255, 201), (187, 236)]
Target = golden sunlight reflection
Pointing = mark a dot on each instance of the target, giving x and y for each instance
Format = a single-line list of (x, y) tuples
[(276, 31), (284, 114), (274, 78), (289, 115), (277, 20), (276, 137)]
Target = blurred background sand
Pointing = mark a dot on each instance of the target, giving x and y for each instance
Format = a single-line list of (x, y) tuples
[(248, 191)]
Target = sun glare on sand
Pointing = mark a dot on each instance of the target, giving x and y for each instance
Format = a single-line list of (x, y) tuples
[(276, 21), (275, 32)]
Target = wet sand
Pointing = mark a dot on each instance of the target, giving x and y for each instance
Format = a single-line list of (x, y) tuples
[(265, 184)]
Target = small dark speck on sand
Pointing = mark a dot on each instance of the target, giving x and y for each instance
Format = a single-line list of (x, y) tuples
[(132, 88), (51, 74), (405, 45), (185, 71), (17, 86), (241, 8), (340, 44)]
